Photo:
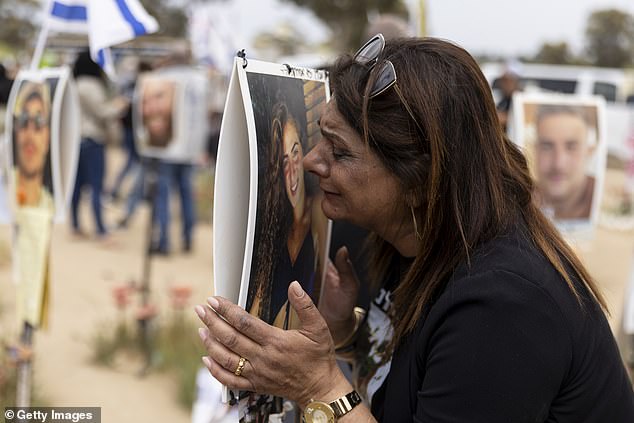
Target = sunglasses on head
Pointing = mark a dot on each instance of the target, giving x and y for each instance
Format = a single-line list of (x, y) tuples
[(368, 55), (38, 120)]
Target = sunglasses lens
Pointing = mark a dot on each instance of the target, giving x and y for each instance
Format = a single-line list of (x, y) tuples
[(39, 122), (370, 51), (23, 120), (385, 79)]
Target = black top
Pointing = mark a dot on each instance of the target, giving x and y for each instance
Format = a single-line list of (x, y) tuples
[(508, 342), (302, 271)]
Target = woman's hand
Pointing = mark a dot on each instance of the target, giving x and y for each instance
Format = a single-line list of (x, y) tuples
[(341, 289), (298, 365)]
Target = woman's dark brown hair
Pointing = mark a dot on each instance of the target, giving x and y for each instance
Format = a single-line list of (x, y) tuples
[(437, 130), (275, 217)]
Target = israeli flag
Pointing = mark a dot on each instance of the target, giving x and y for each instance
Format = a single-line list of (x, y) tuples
[(68, 16), (107, 22)]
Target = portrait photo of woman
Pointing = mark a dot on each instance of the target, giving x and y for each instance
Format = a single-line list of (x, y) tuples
[(291, 230)]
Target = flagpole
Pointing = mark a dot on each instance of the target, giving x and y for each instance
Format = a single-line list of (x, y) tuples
[(41, 43)]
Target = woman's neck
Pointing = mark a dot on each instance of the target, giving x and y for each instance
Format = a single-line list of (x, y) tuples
[(297, 234)]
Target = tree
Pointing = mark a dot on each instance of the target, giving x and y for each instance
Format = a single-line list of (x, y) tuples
[(348, 19), (554, 54), (171, 18), (17, 30), (610, 38)]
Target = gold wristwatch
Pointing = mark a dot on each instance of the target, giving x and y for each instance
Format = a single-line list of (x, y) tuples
[(322, 412)]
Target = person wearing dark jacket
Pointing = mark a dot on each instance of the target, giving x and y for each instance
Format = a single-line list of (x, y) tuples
[(481, 312)]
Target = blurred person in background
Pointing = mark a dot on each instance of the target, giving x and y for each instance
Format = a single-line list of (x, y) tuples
[(563, 150), (172, 174), (100, 116), (132, 161), (5, 89), (509, 84)]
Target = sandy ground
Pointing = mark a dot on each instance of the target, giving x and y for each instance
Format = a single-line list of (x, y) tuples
[(83, 274)]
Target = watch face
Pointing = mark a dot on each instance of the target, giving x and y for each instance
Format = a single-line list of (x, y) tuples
[(319, 412), (320, 417)]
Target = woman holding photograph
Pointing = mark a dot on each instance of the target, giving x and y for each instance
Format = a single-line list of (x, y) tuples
[(482, 312), (288, 247)]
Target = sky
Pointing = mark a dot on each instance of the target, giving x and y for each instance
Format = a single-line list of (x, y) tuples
[(502, 27), (513, 27)]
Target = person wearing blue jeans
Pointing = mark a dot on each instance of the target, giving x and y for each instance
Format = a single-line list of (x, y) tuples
[(180, 174), (132, 162), (99, 115), (90, 171)]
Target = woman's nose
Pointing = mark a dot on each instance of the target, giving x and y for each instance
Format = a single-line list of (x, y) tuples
[(316, 162)]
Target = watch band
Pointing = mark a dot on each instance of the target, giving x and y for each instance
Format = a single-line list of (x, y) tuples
[(343, 405)]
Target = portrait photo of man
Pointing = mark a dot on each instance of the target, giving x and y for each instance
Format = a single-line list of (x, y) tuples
[(158, 97), (31, 146), (563, 149)]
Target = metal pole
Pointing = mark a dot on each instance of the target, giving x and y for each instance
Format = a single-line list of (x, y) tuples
[(23, 394), (39, 47), (144, 323)]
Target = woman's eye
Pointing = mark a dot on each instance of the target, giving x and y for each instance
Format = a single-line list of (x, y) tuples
[(339, 154)]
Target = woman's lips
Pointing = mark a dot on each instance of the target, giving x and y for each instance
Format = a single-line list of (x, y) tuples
[(327, 192)]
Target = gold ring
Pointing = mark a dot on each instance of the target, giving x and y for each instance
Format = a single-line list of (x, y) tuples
[(240, 367)]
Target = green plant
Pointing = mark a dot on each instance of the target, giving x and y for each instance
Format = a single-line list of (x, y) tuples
[(176, 349), (107, 342), (180, 350)]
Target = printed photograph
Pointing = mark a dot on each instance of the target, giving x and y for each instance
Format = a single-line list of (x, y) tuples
[(158, 111), (291, 230), (31, 144), (562, 142)]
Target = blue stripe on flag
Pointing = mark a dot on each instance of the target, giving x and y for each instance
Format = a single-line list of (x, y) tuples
[(101, 58), (137, 26), (69, 13)]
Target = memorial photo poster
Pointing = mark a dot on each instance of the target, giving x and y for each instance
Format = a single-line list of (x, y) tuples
[(563, 138), (42, 133), (42, 139), (270, 124), (170, 114), (5, 170)]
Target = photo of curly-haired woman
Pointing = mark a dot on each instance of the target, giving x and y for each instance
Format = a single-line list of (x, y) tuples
[(290, 227)]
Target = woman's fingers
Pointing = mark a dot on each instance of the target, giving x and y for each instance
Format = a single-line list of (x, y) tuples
[(245, 323), (226, 377), (223, 332), (313, 324), (219, 353), (349, 282)]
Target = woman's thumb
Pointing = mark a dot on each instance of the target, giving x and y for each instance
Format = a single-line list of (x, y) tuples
[(311, 320)]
